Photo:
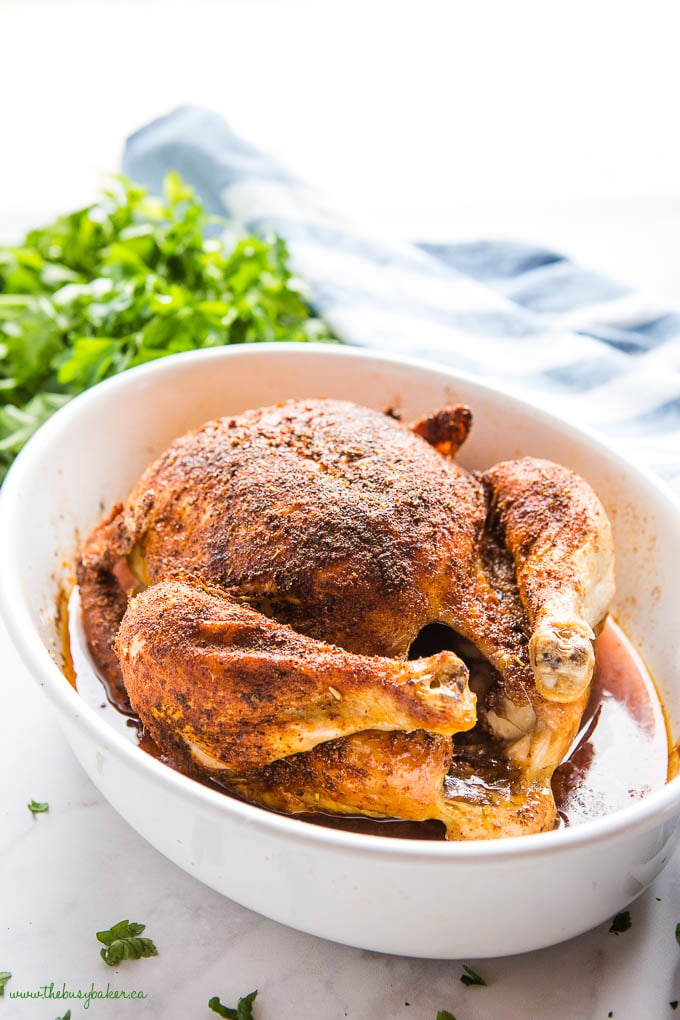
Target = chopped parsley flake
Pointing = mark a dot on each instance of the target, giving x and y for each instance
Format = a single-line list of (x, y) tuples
[(5, 975), (470, 977), (621, 922), (37, 807)]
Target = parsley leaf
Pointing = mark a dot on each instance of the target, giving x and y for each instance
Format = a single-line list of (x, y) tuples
[(123, 943), (127, 280), (470, 977), (243, 1010), (677, 933), (5, 975), (37, 807), (66, 1016), (621, 922), (444, 1014)]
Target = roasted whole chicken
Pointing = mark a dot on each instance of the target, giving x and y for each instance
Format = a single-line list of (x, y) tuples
[(316, 605)]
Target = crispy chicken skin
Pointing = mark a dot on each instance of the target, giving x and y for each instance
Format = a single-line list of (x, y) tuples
[(287, 560), (325, 515), (241, 690)]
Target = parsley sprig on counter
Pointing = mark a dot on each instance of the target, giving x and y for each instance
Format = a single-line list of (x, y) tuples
[(123, 942), (242, 1011), (127, 280)]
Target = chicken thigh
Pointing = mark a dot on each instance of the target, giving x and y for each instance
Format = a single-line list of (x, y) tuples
[(286, 562)]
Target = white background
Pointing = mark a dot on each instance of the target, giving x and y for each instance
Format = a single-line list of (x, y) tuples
[(549, 121)]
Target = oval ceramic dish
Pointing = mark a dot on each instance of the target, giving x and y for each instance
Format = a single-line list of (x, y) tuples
[(430, 899)]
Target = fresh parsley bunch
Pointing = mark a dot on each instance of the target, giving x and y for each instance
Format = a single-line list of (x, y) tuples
[(127, 280)]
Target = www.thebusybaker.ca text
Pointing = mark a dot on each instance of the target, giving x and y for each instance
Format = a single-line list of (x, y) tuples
[(52, 991)]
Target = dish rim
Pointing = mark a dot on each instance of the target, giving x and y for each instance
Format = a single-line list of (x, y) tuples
[(657, 805)]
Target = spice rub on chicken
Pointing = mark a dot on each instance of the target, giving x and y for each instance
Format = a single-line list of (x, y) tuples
[(259, 593)]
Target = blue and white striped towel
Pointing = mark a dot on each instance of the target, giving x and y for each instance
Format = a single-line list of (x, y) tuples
[(566, 338)]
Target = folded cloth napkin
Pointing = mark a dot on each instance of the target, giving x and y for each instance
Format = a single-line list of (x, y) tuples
[(566, 338)]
